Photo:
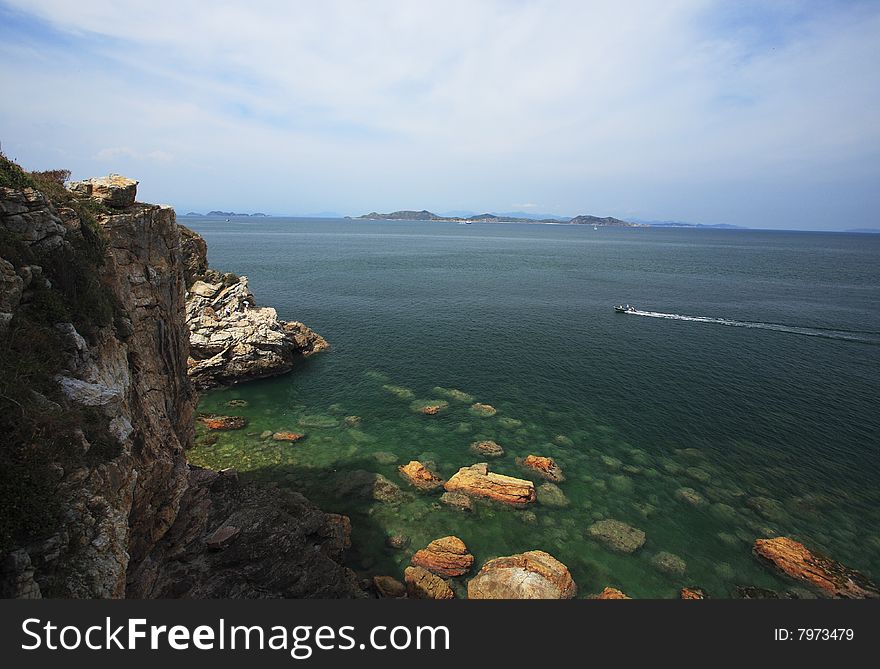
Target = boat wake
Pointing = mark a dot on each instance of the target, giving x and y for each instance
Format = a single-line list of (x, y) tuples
[(865, 337)]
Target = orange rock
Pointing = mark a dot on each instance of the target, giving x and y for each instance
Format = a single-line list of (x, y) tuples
[(610, 593), (692, 593), (445, 557), (224, 422), (422, 584), (795, 560), (543, 466), (478, 481), (431, 409), (420, 476), (287, 436), (487, 449), (530, 575)]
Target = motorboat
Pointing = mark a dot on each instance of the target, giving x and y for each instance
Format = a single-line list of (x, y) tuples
[(625, 309)]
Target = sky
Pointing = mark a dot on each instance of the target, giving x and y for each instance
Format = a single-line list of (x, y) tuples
[(764, 114)]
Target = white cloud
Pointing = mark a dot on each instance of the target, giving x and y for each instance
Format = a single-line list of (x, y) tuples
[(655, 107)]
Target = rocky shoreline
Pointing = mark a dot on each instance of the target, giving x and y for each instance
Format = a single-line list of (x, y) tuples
[(135, 519)]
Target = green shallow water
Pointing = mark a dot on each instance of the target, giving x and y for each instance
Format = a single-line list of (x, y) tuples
[(775, 430)]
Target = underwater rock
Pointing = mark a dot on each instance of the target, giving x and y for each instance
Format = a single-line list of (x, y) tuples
[(529, 517), (562, 440), (483, 410), (509, 423), (453, 393), (361, 484), (753, 592), (399, 391), (422, 584), (798, 562), (420, 476), (385, 457), (698, 474), (487, 448), (265, 434), (692, 593), (388, 587), (223, 422), (342, 526), (610, 593), (766, 507), (550, 494), (690, 496), (669, 563), (317, 421), (617, 535), (287, 436), (479, 481), (352, 421), (610, 462), (447, 556), (457, 500), (237, 403), (530, 575), (543, 467), (621, 484), (397, 541)]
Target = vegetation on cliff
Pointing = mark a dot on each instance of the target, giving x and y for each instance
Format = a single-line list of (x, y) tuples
[(39, 426)]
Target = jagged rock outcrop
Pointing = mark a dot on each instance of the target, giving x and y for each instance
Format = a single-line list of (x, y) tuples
[(97, 412), (833, 579), (246, 541), (232, 339)]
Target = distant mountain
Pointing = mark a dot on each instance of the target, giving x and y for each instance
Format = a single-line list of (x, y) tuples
[(227, 214), (869, 231), (426, 215), (682, 224), (193, 213), (607, 221)]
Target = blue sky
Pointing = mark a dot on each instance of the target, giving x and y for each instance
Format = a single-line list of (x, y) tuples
[(751, 113)]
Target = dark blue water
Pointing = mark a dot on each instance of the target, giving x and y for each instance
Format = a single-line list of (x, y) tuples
[(751, 378)]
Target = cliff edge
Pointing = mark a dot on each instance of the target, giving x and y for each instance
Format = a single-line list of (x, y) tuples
[(96, 410)]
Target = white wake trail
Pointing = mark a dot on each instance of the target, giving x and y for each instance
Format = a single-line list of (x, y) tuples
[(863, 337)]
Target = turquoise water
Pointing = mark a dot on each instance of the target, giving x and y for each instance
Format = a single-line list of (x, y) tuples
[(771, 418)]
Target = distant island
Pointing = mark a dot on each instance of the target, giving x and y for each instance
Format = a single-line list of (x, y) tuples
[(227, 214), (425, 215)]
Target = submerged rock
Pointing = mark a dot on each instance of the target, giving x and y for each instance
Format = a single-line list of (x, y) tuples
[(287, 436), (550, 494), (399, 391), (562, 440), (388, 587), (477, 480), (617, 535), (385, 457), (457, 500), (509, 423), (365, 485), (487, 448), (798, 562), (530, 575), (767, 507), (352, 421), (420, 476), (422, 584), (397, 541), (543, 467), (223, 422), (690, 496), (610, 593), (669, 563), (448, 556), (237, 403), (453, 393), (483, 410)]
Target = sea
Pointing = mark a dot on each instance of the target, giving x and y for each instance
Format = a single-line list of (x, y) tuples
[(740, 400)]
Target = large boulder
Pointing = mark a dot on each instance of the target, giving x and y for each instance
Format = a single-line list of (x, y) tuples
[(798, 562), (419, 476), (445, 557), (478, 481), (113, 190), (610, 593), (530, 575)]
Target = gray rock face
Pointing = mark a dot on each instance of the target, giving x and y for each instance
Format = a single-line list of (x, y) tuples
[(231, 339)]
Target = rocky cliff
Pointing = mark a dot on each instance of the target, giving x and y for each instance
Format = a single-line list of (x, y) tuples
[(96, 410), (232, 339)]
